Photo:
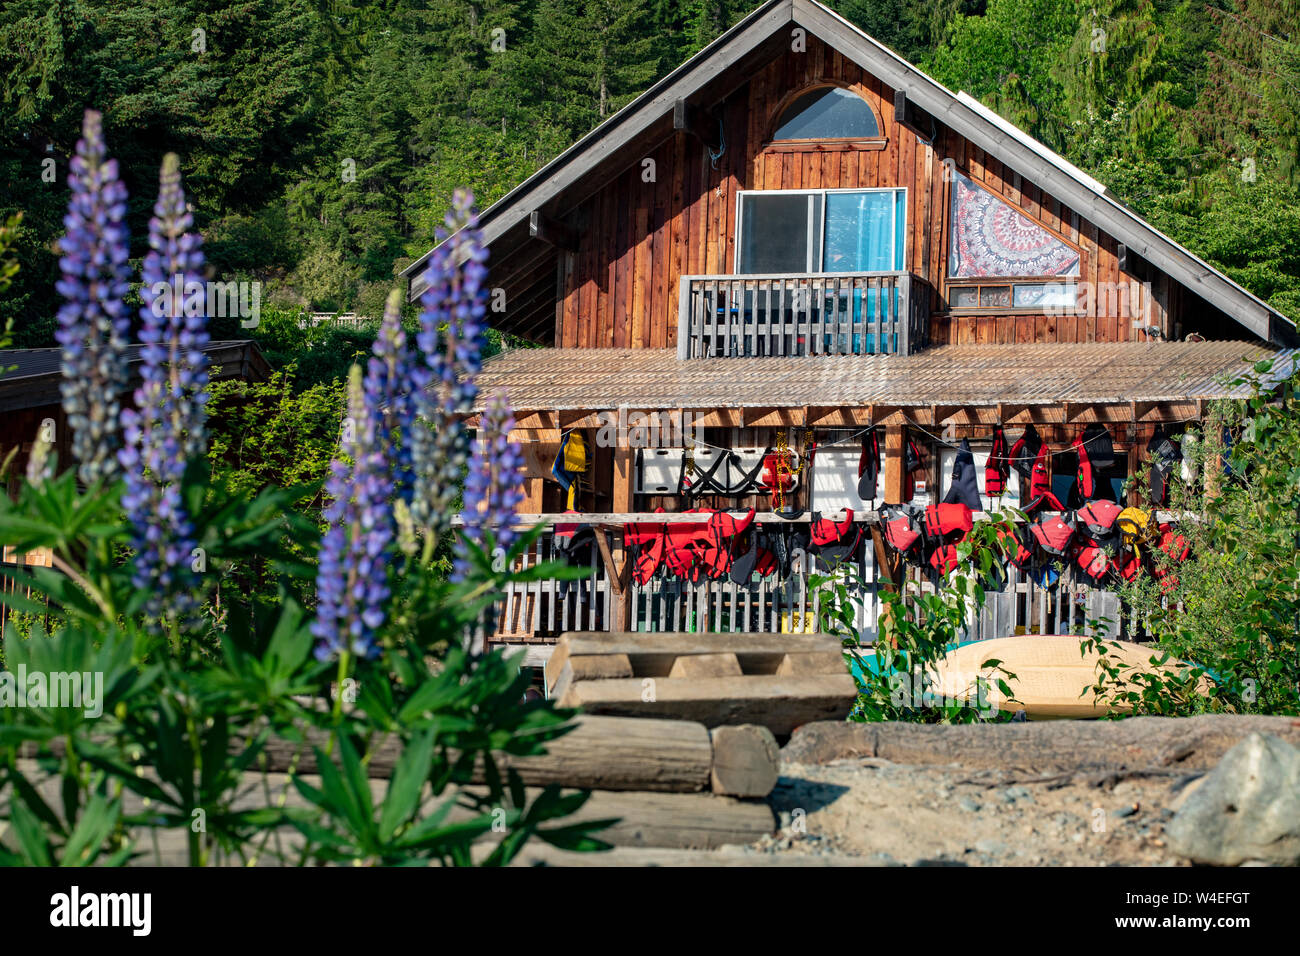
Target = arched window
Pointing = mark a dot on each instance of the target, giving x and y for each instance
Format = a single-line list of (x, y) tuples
[(829, 112)]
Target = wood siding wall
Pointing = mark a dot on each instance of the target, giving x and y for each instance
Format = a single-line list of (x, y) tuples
[(672, 213)]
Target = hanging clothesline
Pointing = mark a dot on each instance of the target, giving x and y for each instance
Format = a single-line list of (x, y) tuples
[(937, 439)]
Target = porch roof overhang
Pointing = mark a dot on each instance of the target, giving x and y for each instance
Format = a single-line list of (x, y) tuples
[(1116, 382)]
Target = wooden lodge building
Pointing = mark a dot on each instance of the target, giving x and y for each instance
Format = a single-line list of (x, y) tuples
[(795, 237)]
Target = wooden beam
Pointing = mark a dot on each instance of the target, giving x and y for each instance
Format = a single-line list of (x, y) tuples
[(607, 558), (538, 419), (1080, 412), (848, 417), (910, 116), (695, 122), (957, 414), (1133, 264), (1011, 413), (895, 465), (579, 418), (1140, 410), (885, 562), (552, 232), (719, 418)]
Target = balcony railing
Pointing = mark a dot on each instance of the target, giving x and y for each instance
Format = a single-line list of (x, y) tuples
[(864, 313)]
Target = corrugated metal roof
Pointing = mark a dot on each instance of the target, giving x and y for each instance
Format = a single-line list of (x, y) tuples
[(1034, 374)]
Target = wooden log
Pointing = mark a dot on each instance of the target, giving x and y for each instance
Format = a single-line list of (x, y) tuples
[(610, 753), (585, 667), (620, 753), (679, 820), (653, 655), (746, 761), (704, 665), (806, 665), (1193, 743), (778, 703)]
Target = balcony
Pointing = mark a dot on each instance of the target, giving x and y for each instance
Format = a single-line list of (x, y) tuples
[(861, 313)]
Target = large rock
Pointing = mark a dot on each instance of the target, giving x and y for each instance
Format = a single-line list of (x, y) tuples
[(1248, 808)]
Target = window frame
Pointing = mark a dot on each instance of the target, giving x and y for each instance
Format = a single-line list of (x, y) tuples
[(829, 144), (1009, 282), (1002, 282), (821, 239)]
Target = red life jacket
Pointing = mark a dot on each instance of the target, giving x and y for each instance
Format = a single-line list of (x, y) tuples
[(825, 531), (998, 467), (1129, 565), (1094, 562), (1040, 483), (830, 551), (1025, 451), (715, 554), (778, 476), (944, 558), (944, 520), (900, 533), (1096, 520), (1016, 546), (1172, 543), (686, 542), (647, 543), (1053, 534), (1087, 487), (913, 462)]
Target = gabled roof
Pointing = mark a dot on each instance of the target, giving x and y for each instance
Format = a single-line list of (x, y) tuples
[(958, 111)]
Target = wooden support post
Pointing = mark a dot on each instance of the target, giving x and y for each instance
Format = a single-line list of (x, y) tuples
[(623, 478), (895, 463)]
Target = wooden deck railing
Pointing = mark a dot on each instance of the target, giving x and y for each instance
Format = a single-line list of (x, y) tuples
[(536, 612), (867, 313)]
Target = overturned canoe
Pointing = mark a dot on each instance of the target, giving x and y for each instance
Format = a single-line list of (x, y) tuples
[(1055, 675)]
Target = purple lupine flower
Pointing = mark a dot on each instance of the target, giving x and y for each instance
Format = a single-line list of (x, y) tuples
[(397, 382), (165, 428), (493, 488), (93, 323), (352, 577), (451, 338)]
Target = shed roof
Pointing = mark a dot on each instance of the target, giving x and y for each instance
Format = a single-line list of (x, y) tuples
[(30, 378), (549, 379)]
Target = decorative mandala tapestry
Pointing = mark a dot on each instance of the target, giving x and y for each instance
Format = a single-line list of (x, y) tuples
[(989, 238)]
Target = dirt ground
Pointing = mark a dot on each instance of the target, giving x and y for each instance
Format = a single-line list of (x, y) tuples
[(889, 813)]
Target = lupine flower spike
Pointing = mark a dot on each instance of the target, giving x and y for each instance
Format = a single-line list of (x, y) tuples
[(352, 578), (493, 487), (452, 333), (93, 324), (166, 426)]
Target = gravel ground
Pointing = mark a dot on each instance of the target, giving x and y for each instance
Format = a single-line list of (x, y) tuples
[(891, 813)]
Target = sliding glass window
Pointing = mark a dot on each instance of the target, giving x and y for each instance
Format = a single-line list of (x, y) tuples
[(821, 230)]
